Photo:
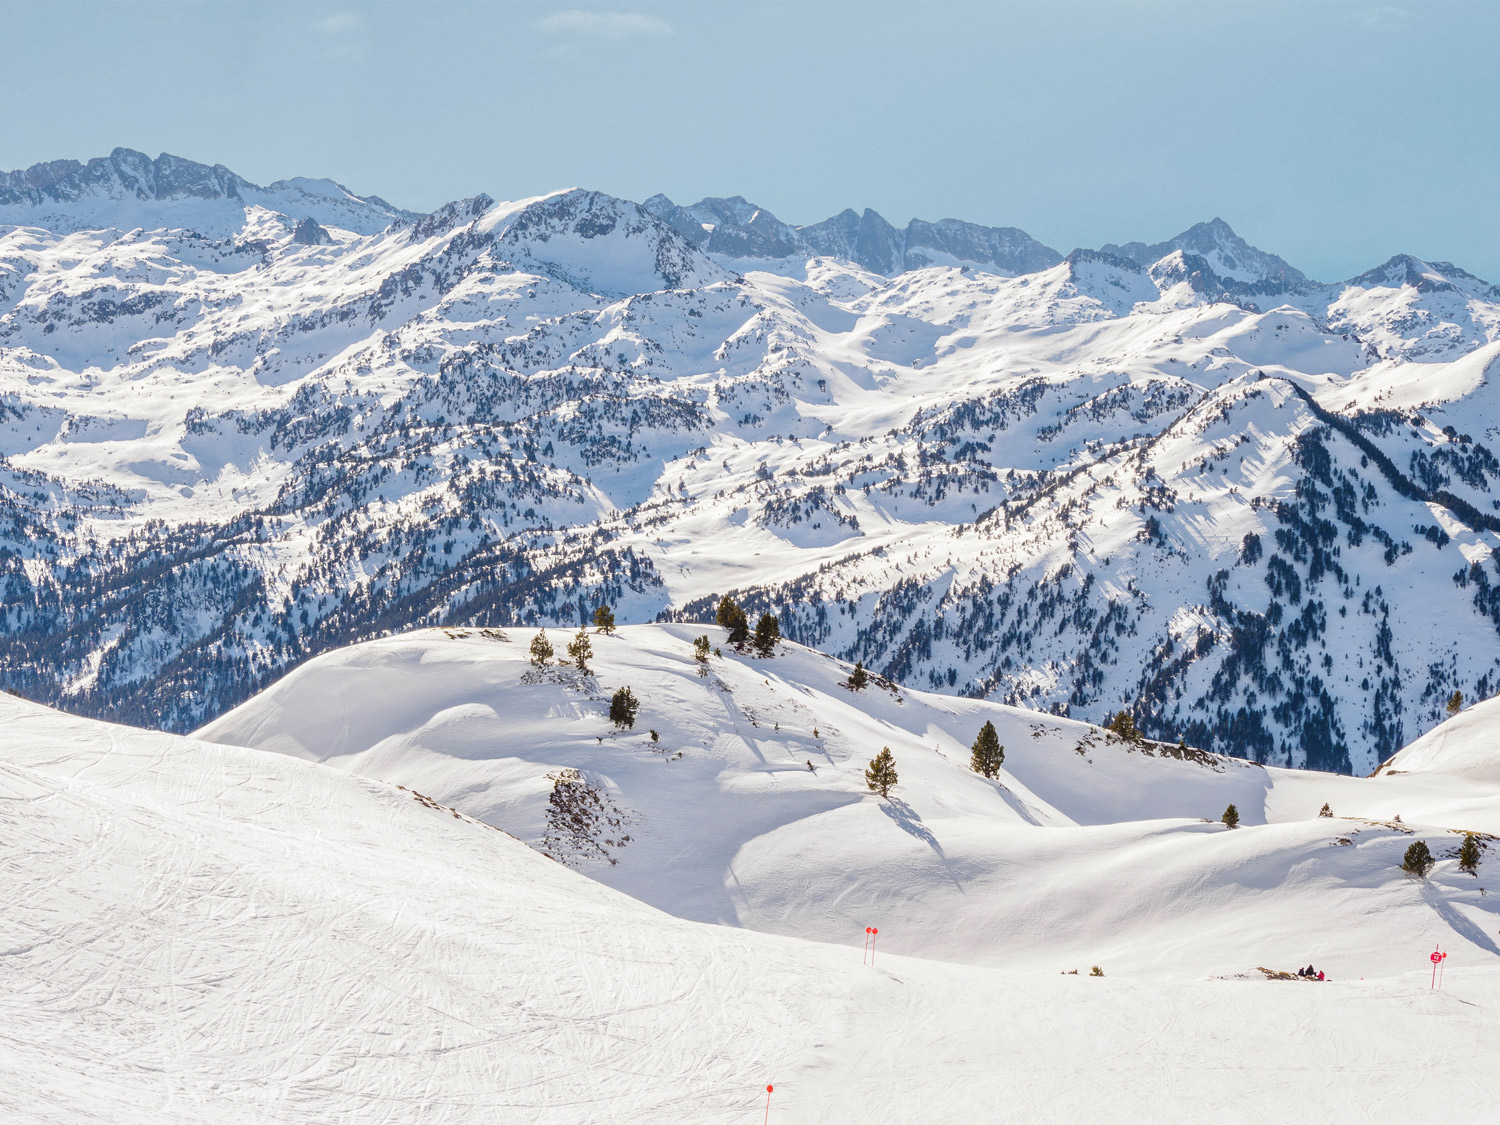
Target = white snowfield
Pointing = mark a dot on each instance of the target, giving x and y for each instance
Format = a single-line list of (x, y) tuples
[(1084, 851), (1463, 749), (198, 933)]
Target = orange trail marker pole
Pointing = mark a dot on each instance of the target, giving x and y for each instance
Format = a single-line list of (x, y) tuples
[(873, 932), (769, 1088), (865, 959)]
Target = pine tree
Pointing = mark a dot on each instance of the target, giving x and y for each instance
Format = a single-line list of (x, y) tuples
[(1231, 817), (580, 650), (859, 677), (623, 706), (1455, 702), (604, 620), (987, 753), (541, 649), (1325, 810), (881, 775), (732, 617), (1468, 854), (724, 615), (1418, 859), (700, 653), (767, 633), (1123, 724)]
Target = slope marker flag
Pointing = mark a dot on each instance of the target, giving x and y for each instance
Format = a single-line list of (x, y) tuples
[(769, 1088), (1437, 960)]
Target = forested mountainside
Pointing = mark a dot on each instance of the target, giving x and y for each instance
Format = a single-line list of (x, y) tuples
[(242, 426)]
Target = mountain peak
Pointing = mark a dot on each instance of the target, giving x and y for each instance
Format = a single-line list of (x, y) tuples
[(450, 215), (1232, 261), (1407, 270), (127, 189)]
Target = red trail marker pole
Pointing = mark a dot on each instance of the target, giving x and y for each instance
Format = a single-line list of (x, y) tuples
[(769, 1088), (866, 957), (1437, 959), (873, 932)]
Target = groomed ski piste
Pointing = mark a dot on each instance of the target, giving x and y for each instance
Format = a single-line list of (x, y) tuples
[(199, 931)]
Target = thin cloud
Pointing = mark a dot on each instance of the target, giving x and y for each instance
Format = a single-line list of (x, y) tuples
[(341, 23), (603, 25), (1386, 17)]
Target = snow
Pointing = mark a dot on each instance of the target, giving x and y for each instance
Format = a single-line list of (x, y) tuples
[(566, 383), (1038, 489), (196, 932), (1084, 848), (1462, 748)]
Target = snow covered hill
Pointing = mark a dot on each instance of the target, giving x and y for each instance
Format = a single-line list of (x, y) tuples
[(1463, 748), (240, 427), (200, 932), (739, 797)]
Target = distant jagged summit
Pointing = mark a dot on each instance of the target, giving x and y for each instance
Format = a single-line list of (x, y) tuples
[(1425, 277), (124, 172), (1222, 252), (127, 189), (737, 229)]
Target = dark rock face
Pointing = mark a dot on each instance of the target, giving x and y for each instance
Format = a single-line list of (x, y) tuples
[(456, 214), (308, 233), (1009, 247)]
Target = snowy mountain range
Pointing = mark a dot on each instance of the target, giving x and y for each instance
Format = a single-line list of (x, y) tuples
[(242, 426), (733, 230)]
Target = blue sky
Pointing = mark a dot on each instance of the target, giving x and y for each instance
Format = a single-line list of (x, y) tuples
[(1333, 132)]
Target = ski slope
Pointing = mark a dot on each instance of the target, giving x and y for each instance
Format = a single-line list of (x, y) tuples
[(1085, 850), (195, 932)]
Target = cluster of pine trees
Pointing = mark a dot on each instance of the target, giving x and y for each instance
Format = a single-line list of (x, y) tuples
[(731, 616), (579, 650), (1419, 859), (623, 705)]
